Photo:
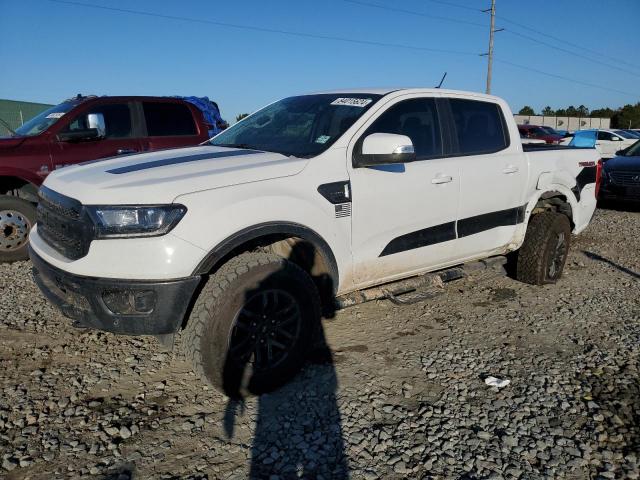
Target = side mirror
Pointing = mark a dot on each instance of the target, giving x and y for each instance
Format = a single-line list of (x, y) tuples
[(79, 135), (96, 120), (384, 149)]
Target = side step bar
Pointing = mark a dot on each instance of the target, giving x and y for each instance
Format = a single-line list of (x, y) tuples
[(424, 287)]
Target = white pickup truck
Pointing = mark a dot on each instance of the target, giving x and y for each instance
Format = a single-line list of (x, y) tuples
[(240, 242)]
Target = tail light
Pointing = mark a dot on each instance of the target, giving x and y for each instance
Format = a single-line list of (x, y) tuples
[(598, 176)]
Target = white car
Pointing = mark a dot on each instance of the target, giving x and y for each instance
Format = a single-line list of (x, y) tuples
[(243, 242), (609, 141), (530, 141)]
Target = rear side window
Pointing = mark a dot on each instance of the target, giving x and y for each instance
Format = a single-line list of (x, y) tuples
[(168, 119), (117, 120), (605, 136), (480, 126), (418, 120)]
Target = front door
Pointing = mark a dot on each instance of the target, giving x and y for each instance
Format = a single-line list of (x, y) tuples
[(403, 218), (120, 136)]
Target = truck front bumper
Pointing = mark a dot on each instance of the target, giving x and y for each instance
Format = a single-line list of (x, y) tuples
[(132, 307)]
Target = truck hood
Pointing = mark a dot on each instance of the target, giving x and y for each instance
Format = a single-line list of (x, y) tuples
[(631, 164), (160, 177)]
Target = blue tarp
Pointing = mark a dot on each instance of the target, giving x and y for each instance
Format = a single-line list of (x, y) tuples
[(210, 111), (584, 138)]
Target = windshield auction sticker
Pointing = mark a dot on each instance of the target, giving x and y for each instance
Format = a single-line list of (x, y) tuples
[(56, 115), (352, 102)]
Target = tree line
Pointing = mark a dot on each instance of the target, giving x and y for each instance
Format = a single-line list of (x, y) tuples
[(623, 117)]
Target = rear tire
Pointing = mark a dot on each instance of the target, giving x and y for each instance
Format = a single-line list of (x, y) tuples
[(252, 324), (543, 254), (17, 216)]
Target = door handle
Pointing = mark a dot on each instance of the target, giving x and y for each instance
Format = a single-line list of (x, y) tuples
[(124, 151), (438, 179), (510, 169)]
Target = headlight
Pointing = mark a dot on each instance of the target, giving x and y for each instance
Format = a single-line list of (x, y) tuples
[(135, 221)]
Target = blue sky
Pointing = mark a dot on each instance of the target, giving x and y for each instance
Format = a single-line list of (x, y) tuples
[(51, 51)]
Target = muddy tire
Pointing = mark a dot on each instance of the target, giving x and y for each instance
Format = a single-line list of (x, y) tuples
[(542, 257), (252, 324), (17, 216)]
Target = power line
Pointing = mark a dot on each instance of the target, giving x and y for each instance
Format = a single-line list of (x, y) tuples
[(573, 80), (565, 42), (263, 29), (456, 5), (415, 13), (561, 49), (531, 29), (321, 37), (481, 25)]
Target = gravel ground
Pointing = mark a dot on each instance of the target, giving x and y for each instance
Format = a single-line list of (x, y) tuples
[(401, 396)]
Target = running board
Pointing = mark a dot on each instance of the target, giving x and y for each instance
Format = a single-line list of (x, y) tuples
[(425, 287)]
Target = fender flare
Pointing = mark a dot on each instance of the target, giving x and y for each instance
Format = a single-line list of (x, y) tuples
[(220, 251)]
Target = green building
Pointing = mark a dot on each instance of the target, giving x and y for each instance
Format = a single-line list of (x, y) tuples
[(14, 113)]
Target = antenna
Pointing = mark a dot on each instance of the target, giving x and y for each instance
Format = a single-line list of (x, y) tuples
[(442, 80)]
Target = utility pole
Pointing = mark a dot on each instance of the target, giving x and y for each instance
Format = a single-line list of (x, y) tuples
[(492, 30)]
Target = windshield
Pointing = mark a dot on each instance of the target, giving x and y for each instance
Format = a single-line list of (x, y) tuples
[(624, 134), (537, 131), (632, 151), (549, 130), (303, 126), (45, 119)]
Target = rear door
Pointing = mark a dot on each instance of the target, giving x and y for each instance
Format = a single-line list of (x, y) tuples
[(169, 124), (121, 135), (403, 215), (493, 176)]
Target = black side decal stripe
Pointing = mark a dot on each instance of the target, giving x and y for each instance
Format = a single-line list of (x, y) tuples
[(421, 238), (586, 176), (447, 231), (174, 161), (487, 221)]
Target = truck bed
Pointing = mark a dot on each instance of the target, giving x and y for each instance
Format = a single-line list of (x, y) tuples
[(536, 147)]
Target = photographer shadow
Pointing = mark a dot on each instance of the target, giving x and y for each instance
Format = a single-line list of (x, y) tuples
[(298, 430)]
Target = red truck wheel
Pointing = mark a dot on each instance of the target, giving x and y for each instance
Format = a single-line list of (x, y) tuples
[(17, 216)]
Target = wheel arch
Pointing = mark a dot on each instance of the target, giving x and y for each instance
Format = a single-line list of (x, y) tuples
[(18, 187), (274, 236), (556, 198)]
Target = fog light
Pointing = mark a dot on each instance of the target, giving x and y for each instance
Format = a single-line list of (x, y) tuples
[(129, 302)]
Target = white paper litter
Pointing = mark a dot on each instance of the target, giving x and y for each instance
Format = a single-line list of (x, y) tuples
[(497, 382)]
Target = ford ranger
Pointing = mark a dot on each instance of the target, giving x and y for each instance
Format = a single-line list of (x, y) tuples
[(243, 242)]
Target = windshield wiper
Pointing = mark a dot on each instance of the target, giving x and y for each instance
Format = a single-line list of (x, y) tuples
[(236, 145)]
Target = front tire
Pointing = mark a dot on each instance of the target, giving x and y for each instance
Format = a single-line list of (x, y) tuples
[(252, 324), (543, 254), (17, 216)]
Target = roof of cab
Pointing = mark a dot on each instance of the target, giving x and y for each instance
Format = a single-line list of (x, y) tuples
[(406, 90)]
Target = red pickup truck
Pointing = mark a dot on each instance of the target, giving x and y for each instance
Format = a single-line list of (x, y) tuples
[(89, 128)]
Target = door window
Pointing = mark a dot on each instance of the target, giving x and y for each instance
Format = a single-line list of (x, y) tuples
[(117, 120), (418, 120), (168, 119), (605, 136), (480, 126)]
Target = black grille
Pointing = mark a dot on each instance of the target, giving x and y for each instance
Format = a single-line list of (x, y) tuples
[(627, 179), (63, 224)]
